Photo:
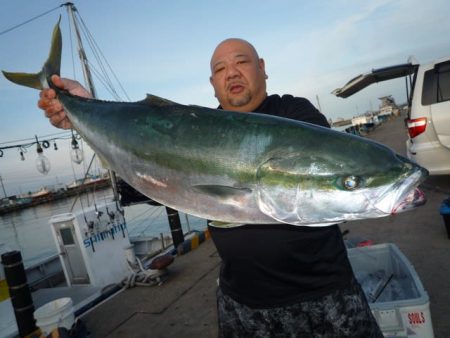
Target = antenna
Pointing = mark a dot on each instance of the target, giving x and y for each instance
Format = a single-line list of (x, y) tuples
[(318, 103)]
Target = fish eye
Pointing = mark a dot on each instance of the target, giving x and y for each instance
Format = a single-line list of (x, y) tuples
[(351, 182)]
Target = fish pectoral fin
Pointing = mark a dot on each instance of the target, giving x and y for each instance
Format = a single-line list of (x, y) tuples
[(218, 224), (222, 191), (153, 100)]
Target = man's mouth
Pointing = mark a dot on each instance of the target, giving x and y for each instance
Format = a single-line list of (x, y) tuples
[(235, 88)]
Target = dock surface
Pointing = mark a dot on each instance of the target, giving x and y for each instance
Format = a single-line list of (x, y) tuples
[(185, 304)]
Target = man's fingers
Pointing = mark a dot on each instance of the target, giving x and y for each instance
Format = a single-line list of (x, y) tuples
[(57, 81), (47, 93), (50, 106), (66, 124), (60, 120), (56, 118)]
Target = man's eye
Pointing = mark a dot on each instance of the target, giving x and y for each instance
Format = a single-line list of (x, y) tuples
[(218, 70)]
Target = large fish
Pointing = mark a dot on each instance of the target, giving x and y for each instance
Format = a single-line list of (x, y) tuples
[(238, 168)]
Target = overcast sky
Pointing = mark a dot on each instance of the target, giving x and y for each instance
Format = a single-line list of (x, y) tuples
[(164, 47)]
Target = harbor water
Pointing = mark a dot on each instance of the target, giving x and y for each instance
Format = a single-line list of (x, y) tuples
[(28, 230)]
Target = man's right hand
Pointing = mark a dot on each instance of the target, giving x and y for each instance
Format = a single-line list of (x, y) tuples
[(52, 106)]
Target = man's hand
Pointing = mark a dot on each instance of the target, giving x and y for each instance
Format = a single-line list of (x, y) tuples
[(52, 106)]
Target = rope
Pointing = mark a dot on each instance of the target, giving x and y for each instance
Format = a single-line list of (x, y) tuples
[(142, 277), (95, 46)]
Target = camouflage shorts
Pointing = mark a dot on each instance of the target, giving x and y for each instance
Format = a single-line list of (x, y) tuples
[(344, 313)]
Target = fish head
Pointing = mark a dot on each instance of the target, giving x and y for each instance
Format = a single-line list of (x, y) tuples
[(323, 188)]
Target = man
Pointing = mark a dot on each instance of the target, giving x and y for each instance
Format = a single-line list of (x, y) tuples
[(276, 280)]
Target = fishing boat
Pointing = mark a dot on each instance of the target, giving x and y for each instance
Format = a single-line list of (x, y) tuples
[(95, 253)]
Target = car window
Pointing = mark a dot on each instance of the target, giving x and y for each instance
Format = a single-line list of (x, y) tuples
[(429, 88), (436, 84), (443, 83)]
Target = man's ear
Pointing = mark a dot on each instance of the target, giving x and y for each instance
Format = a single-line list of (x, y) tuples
[(262, 66), (211, 81)]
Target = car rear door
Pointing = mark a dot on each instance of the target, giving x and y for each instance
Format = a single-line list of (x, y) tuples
[(376, 75)]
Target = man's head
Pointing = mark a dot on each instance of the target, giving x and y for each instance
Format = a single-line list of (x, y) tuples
[(238, 76)]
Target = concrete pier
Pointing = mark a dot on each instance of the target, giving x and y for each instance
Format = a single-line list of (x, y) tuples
[(184, 305)]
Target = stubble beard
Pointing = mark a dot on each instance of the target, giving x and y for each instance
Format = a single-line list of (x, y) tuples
[(241, 100)]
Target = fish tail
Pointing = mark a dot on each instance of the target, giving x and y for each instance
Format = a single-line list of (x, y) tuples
[(52, 66)]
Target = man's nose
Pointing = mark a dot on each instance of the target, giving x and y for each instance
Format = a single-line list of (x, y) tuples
[(232, 71)]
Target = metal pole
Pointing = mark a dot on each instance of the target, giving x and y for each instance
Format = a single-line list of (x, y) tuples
[(20, 292), (187, 223), (84, 62), (3, 187), (175, 226)]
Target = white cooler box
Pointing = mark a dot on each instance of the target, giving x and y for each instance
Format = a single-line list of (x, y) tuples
[(395, 293)]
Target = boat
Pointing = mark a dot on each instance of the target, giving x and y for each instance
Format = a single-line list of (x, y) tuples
[(95, 259), (16, 203)]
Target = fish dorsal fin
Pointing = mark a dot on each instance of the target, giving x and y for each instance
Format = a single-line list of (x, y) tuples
[(153, 100)]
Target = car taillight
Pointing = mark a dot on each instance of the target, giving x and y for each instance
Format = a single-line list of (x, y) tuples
[(417, 126)]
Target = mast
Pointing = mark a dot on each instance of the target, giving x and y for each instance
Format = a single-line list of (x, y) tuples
[(82, 55), (71, 9), (173, 216)]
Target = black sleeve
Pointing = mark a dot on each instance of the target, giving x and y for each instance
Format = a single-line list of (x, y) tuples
[(299, 108)]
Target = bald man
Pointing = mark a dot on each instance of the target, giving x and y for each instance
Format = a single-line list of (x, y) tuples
[(276, 280)]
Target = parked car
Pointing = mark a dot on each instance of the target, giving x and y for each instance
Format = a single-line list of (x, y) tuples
[(428, 120)]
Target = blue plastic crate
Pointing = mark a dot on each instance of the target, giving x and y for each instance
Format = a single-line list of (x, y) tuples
[(445, 207), (445, 212)]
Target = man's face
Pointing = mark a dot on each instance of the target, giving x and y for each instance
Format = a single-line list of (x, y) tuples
[(238, 76)]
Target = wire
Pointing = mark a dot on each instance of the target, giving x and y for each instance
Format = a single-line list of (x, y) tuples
[(99, 56), (22, 147), (29, 20), (40, 137), (102, 75), (82, 182), (155, 212), (72, 54)]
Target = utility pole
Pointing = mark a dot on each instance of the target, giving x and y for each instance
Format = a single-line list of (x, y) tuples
[(3, 187)]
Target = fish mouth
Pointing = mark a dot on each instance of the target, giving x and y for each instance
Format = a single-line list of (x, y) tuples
[(415, 198), (404, 195)]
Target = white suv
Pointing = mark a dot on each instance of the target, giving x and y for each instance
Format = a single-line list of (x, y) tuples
[(428, 121)]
